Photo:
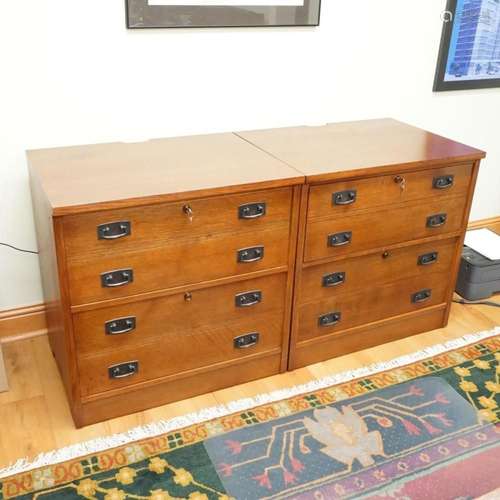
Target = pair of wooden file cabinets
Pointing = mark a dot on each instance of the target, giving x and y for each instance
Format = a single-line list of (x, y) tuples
[(176, 267)]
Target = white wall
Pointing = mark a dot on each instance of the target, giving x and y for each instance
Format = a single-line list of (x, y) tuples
[(72, 74)]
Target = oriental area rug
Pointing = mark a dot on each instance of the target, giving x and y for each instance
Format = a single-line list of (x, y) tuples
[(423, 426)]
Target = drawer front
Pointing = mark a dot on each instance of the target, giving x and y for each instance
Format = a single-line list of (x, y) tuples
[(345, 197), (178, 263), (176, 316), (114, 232), (171, 355), (349, 275), (371, 304), (140, 398), (378, 229)]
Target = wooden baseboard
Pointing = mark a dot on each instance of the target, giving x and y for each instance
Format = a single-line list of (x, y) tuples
[(22, 323), (26, 322), (492, 223)]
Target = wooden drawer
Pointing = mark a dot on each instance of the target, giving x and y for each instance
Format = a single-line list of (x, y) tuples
[(371, 304), (176, 316), (348, 275), (181, 262), (143, 396), (179, 354), (385, 190), (378, 229), (161, 225), (364, 337)]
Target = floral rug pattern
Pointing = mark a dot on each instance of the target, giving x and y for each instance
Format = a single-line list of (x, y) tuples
[(430, 429)]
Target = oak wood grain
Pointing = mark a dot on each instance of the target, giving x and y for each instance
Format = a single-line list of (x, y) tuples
[(387, 190), (356, 149), (107, 176), (372, 304), (180, 317), (373, 229), (363, 273), (157, 226), (182, 262)]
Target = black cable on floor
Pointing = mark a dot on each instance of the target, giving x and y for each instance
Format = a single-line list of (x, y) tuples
[(17, 249), (479, 303)]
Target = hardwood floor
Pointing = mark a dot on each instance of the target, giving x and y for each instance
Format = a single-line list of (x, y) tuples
[(35, 416)]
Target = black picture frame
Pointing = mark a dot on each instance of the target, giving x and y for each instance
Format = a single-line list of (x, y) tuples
[(450, 17), (141, 15)]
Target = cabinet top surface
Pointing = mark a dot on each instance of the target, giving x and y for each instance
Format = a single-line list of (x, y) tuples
[(107, 176), (335, 150)]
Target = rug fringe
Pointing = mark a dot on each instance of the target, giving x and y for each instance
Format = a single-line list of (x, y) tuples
[(163, 426)]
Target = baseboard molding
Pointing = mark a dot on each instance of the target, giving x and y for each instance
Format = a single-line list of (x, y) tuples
[(492, 222), (22, 323), (27, 322)]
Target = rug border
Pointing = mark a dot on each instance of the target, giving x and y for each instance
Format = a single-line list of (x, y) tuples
[(151, 430)]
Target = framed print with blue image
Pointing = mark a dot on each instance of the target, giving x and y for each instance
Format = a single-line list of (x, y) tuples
[(469, 56)]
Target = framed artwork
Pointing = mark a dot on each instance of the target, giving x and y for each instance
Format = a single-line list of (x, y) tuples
[(221, 13), (469, 56)]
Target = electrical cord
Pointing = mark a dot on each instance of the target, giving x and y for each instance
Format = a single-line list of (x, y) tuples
[(18, 249), (479, 303)]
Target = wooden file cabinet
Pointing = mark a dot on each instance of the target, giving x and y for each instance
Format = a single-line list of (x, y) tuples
[(383, 214), (167, 268), (181, 266)]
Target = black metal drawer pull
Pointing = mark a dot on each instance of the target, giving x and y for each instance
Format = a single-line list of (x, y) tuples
[(437, 220), (443, 182), (246, 341), (427, 259), (120, 277), (252, 210), (123, 370), (251, 254), (330, 319), (344, 197), (339, 239), (114, 230), (248, 299), (421, 296), (120, 325), (334, 279)]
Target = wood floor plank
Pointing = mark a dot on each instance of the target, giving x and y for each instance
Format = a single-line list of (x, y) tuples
[(22, 373), (27, 429)]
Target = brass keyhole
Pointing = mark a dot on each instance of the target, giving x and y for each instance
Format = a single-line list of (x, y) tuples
[(188, 296), (399, 179), (188, 211)]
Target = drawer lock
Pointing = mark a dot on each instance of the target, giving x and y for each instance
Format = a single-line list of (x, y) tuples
[(443, 182), (116, 278), (120, 325), (421, 296), (427, 259), (114, 230), (248, 299), (330, 319), (344, 197), (246, 341), (252, 210), (251, 254), (335, 279), (437, 220), (339, 239), (123, 369)]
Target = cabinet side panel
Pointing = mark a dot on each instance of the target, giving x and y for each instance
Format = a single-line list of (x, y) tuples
[(460, 243), (52, 271)]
